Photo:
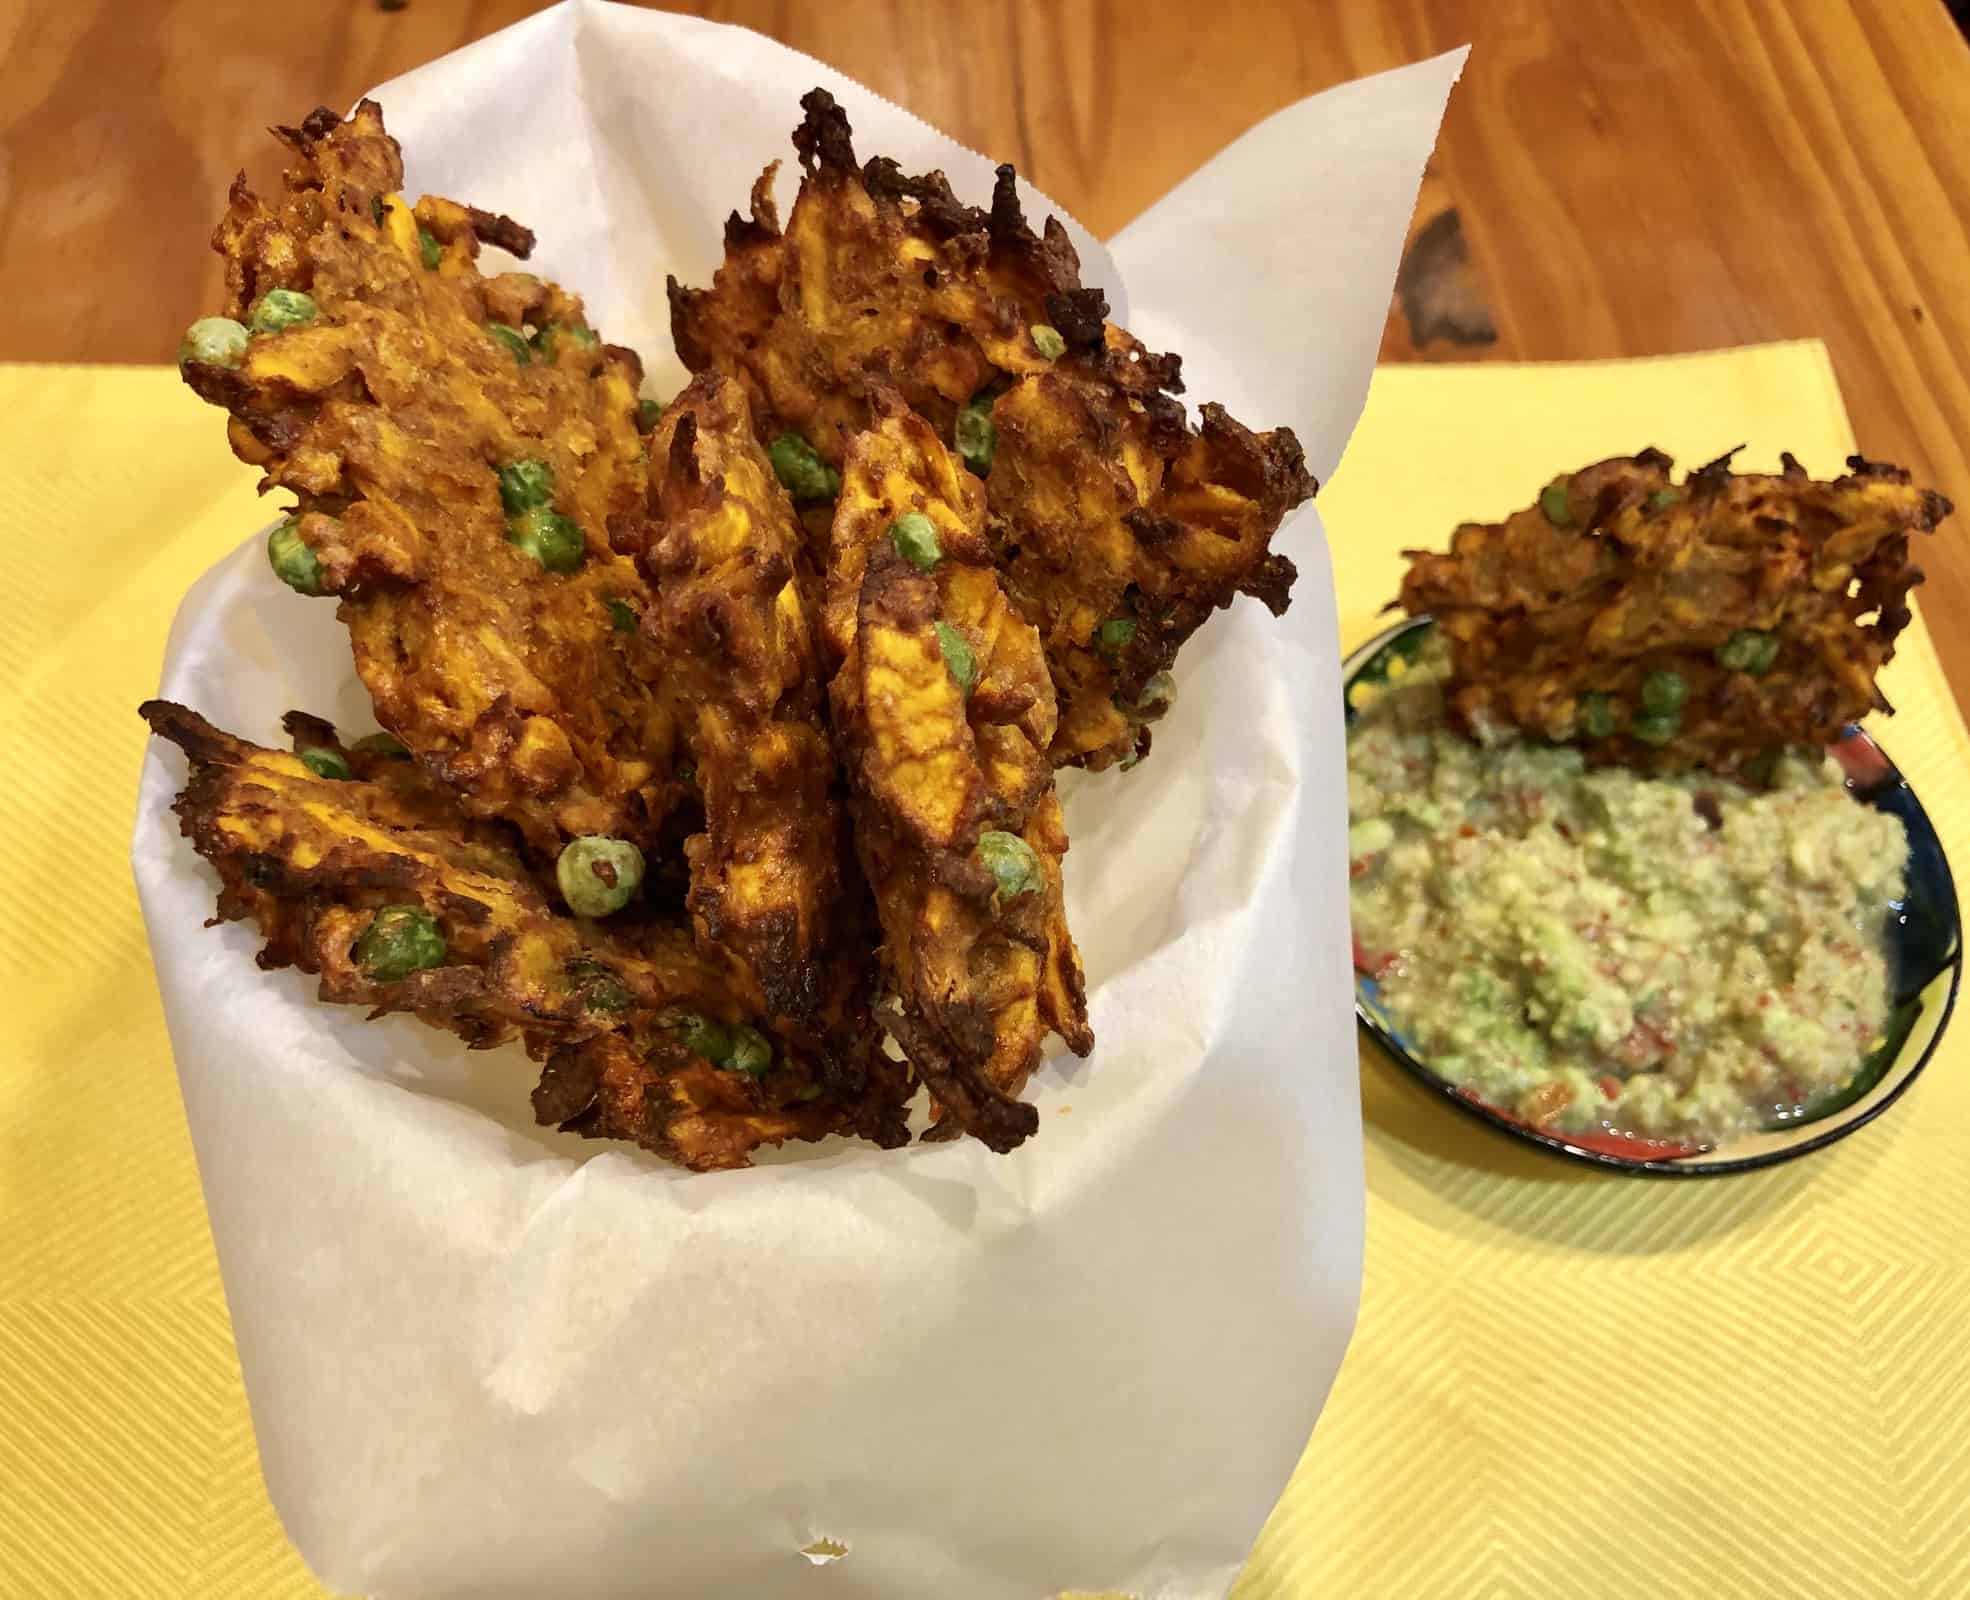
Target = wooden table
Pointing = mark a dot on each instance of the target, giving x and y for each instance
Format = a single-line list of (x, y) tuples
[(1615, 177)]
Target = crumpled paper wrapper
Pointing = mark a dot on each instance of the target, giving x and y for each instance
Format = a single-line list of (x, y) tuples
[(488, 1359)]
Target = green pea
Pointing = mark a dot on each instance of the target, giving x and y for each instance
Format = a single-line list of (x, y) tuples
[(808, 1092), (1664, 692), (622, 616), (400, 940), (598, 874), (705, 1036), (1664, 497), (325, 763), (579, 332), (387, 745), (515, 342), (1749, 650), (1595, 716), (599, 988), (915, 538), (751, 1052), (1048, 341), (524, 485), (975, 435), (799, 466), (687, 772), (1763, 767), (1553, 501), (293, 562), (1656, 727), (1158, 695), (605, 994), (550, 538), (1011, 862), (282, 308), (648, 412), (429, 248), (213, 342), (1739, 650), (1113, 636), (958, 656)]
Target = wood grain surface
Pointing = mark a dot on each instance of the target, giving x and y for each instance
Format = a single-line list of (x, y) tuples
[(1615, 177)]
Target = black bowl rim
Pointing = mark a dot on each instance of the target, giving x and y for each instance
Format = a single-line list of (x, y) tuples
[(1555, 1145)]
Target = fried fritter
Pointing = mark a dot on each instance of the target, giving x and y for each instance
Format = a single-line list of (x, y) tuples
[(1122, 530), (641, 1082), (1107, 510), (944, 714), (731, 616), (1668, 626), (623, 1014), (882, 278), (387, 384)]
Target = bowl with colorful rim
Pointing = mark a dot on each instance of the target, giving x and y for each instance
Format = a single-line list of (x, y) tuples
[(1925, 963)]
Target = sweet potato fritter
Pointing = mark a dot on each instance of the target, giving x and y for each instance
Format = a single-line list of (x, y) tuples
[(387, 384), (731, 617), (881, 278), (944, 713), (1668, 626), (1123, 529), (622, 1015), (1120, 527)]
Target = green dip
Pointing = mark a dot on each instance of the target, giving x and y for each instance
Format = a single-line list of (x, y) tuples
[(1596, 951)]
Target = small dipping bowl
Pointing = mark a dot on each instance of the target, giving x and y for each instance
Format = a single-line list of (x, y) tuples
[(1925, 964)]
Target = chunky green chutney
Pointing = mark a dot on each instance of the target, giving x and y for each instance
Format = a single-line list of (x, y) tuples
[(1597, 951)]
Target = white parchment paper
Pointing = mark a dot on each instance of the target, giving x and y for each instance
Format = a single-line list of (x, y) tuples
[(488, 1359)]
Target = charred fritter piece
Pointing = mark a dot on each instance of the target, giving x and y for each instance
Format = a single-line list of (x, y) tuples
[(457, 445), (1120, 526), (880, 278), (356, 867), (651, 1083), (1122, 530), (944, 714), (731, 616), (1666, 626)]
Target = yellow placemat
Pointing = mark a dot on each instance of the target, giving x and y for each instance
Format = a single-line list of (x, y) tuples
[(1561, 1382), (127, 1465)]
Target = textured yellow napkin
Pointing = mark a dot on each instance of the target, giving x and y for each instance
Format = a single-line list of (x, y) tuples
[(1561, 1381)]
